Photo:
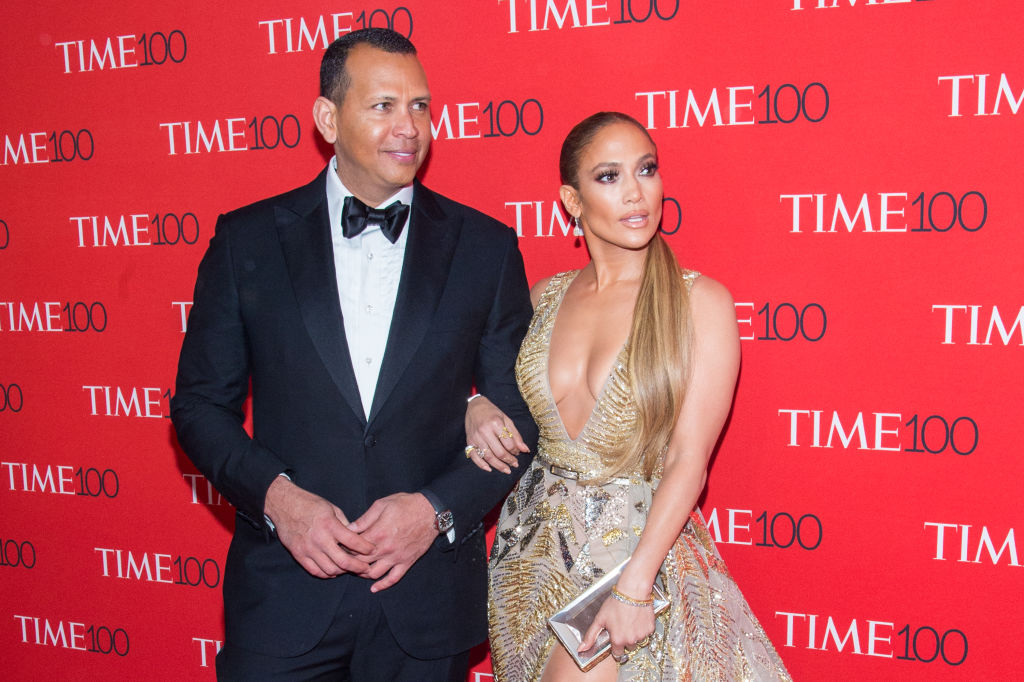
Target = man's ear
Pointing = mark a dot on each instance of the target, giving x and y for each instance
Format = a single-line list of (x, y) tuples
[(324, 115)]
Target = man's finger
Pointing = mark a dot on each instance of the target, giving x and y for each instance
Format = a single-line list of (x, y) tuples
[(312, 568), (325, 564), (348, 561), (393, 576), (368, 518), (378, 569), (350, 539), (350, 564)]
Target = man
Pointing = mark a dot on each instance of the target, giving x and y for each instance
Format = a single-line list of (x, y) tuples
[(361, 331)]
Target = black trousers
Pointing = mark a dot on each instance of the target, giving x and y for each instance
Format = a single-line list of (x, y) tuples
[(358, 647)]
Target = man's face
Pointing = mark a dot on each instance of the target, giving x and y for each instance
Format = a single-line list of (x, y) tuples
[(382, 126)]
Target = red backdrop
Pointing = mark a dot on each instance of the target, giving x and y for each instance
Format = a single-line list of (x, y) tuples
[(849, 168)]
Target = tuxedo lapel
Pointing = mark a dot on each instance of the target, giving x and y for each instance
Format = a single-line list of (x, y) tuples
[(305, 233), (428, 256)]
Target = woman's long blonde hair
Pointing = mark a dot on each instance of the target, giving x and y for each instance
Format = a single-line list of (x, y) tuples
[(659, 339)]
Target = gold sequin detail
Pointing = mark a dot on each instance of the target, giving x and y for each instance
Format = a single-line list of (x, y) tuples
[(614, 415), (614, 535)]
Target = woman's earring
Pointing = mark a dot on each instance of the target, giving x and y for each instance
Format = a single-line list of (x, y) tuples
[(576, 229)]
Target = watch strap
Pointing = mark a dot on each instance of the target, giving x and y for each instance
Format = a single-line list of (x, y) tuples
[(439, 509)]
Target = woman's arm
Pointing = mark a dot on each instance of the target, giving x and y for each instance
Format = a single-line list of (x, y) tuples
[(492, 440), (709, 392), (494, 437)]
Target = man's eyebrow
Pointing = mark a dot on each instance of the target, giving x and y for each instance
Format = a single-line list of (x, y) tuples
[(393, 98)]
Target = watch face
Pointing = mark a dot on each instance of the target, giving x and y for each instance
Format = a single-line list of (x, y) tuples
[(444, 521)]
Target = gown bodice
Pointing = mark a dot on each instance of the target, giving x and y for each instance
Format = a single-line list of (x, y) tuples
[(614, 417)]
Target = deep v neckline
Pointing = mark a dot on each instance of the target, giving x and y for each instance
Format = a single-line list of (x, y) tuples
[(547, 369)]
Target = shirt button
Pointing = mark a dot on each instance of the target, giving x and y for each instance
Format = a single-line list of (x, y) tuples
[(369, 256), (369, 309), (369, 361)]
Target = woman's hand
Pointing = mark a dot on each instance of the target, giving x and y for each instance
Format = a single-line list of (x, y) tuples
[(491, 438), (629, 627)]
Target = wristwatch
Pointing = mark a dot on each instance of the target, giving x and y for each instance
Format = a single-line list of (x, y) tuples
[(444, 520)]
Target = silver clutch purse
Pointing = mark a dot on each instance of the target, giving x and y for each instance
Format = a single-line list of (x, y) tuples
[(572, 622)]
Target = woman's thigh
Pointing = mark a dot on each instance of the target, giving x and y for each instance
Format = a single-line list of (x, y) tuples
[(561, 668)]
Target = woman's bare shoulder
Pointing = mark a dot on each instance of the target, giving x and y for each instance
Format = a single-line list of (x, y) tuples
[(711, 304)]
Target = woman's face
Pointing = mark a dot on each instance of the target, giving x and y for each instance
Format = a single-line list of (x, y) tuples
[(620, 190)]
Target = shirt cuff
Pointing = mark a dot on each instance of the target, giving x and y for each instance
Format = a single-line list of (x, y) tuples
[(266, 519)]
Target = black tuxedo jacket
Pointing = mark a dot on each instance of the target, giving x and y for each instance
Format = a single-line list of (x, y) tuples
[(266, 318)]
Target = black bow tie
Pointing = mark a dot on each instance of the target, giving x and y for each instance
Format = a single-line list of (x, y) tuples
[(357, 216)]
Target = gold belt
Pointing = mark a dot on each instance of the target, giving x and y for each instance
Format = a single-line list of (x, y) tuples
[(575, 475)]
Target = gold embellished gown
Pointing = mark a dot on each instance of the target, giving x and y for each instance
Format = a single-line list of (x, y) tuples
[(556, 536)]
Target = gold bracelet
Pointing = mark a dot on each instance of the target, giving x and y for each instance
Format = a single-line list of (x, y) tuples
[(618, 596)]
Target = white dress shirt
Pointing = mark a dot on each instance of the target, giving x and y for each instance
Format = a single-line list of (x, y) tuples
[(369, 268)]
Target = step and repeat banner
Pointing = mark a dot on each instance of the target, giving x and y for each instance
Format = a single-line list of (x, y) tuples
[(850, 169)]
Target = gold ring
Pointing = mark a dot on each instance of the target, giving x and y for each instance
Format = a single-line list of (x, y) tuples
[(643, 642), (483, 451), (469, 450), (505, 433)]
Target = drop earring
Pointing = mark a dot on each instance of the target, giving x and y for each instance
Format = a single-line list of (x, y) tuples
[(576, 229)]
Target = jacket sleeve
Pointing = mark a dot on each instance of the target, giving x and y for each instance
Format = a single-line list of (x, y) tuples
[(467, 490), (213, 383)]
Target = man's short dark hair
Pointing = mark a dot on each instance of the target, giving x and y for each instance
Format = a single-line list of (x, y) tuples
[(334, 80)]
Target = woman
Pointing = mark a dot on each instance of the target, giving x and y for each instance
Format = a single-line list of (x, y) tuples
[(629, 368)]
